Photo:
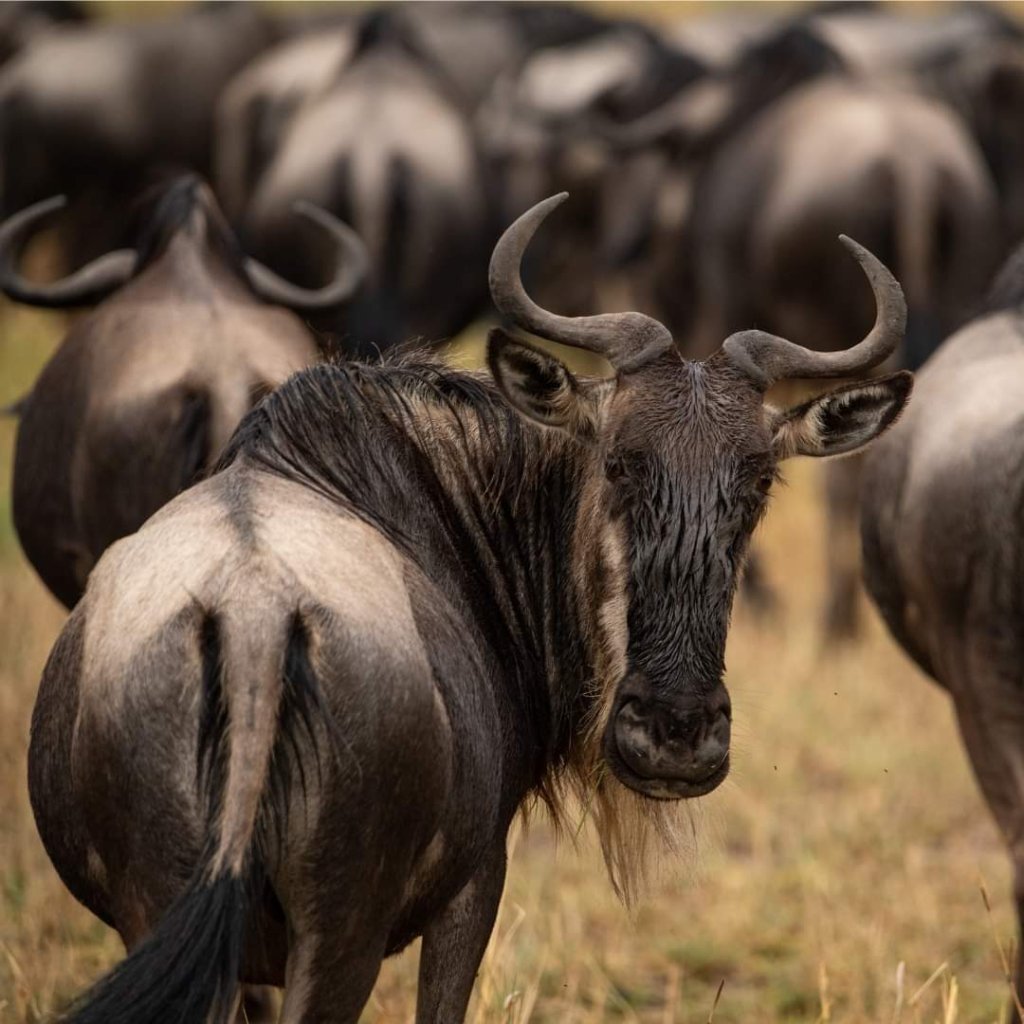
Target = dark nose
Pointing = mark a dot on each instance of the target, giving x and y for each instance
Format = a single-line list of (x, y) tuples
[(680, 741)]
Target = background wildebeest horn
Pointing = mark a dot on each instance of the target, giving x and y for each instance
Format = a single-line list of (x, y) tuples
[(768, 359), (90, 284), (350, 269), (626, 340)]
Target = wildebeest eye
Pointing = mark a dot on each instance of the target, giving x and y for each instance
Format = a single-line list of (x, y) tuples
[(615, 468), (765, 481)]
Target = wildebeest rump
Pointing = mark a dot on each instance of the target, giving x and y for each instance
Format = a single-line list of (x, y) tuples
[(258, 105), (971, 57), (389, 150), (943, 553), (308, 697), (144, 391)]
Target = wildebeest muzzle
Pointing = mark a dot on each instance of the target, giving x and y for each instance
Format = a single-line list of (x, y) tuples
[(669, 747)]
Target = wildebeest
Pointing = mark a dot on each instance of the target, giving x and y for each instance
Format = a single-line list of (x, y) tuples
[(309, 695), (145, 390), (388, 149), (769, 196), (92, 110), (943, 551)]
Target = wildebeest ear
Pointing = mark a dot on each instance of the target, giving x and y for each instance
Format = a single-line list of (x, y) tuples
[(540, 386), (843, 420)]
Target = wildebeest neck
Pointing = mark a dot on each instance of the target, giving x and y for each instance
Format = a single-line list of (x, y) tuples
[(489, 507)]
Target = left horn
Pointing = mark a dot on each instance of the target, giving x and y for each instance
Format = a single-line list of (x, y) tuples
[(626, 340), (768, 359), (350, 268)]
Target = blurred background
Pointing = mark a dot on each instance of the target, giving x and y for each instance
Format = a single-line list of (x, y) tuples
[(712, 152)]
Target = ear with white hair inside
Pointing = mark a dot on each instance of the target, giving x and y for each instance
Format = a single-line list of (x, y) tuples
[(842, 421), (541, 387)]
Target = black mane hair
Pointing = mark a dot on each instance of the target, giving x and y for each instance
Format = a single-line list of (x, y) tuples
[(348, 430)]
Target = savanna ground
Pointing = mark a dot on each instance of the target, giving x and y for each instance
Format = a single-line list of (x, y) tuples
[(835, 877)]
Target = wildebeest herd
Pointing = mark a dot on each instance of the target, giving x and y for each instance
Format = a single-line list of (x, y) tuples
[(339, 609)]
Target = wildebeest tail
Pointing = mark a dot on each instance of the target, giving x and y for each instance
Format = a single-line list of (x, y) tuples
[(260, 718)]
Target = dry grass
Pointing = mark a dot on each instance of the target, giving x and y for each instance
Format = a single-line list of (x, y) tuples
[(836, 876)]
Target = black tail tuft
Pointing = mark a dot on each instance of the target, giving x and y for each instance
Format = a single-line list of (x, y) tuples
[(185, 971)]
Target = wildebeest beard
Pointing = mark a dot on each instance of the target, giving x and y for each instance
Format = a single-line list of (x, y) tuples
[(496, 511)]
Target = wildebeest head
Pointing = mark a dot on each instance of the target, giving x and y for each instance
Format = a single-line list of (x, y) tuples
[(186, 210), (683, 456)]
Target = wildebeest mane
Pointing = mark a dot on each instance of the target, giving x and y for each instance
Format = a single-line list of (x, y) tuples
[(343, 429)]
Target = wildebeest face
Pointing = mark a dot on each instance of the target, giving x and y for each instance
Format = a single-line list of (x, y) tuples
[(687, 454), (682, 455), (689, 463)]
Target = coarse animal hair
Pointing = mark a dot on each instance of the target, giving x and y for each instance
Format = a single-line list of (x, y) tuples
[(390, 443)]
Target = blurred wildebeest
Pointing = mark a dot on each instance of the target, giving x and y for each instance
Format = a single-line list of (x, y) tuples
[(388, 149), (145, 390), (90, 110), (944, 546), (535, 133), (412, 597), (971, 57), (797, 150), (22, 20), (469, 44)]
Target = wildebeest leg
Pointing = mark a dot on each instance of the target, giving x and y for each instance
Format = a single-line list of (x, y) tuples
[(986, 689), (325, 988), (454, 944), (842, 500)]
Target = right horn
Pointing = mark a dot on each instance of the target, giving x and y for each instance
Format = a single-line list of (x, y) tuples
[(768, 359), (84, 287), (350, 268)]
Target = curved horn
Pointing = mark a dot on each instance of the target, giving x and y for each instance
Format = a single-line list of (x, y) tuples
[(626, 340), (93, 282), (350, 269), (768, 359)]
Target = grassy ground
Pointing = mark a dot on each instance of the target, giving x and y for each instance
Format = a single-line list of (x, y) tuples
[(836, 875)]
